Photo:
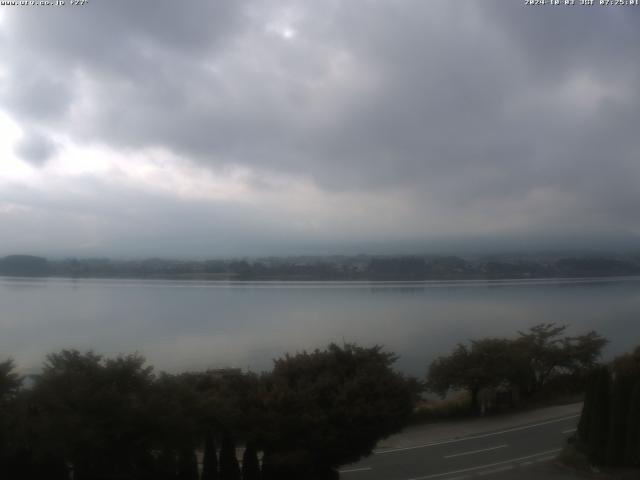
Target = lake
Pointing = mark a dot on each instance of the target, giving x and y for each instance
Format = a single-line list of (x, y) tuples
[(195, 325)]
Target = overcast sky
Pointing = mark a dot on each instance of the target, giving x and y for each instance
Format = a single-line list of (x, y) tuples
[(240, 127)]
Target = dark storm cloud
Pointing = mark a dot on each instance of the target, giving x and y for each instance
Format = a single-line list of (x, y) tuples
[(469, 108)]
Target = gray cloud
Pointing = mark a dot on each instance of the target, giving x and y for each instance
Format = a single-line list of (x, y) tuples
[(496, 111), (36, 149)]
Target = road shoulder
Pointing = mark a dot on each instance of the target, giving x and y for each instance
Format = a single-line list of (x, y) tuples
[(450, 430)]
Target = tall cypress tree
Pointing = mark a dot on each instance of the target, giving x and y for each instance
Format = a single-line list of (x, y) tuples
[(229, 468), (167, 466), (267, 472), (618, 416), (210, 459), (587, 409), (145, 466), (599, 424), (51, 468), (250, 464), (632, 444), (187, 464)]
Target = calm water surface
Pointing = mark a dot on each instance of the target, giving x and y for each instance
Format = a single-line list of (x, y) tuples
[(184, 325)]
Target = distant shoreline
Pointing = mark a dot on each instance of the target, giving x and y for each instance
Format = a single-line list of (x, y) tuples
[(360, 268), (337, 282)]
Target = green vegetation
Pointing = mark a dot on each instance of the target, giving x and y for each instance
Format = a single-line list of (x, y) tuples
[(229, 466), (24, 266), (455, 405), (250, 463), (209, 459), (535, 363), (609, 429), (359, 267), (367, 400), (114, 418)]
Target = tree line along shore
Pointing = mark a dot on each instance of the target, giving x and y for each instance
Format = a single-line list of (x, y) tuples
[(88, 417), (359, 267)]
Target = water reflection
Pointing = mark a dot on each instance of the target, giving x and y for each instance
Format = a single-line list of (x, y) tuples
[(181, 325)]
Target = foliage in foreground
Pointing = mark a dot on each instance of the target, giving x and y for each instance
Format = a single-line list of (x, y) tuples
[(114, 418), (526, 364), (328, 408), (609, 427)]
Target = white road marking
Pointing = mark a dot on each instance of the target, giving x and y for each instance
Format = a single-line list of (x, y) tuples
[(571, 430), (354, 470), (474, 437), (480, 467), (475, 451), (543, 459), (496, 470)]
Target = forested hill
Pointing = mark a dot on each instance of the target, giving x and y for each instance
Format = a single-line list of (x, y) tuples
[(360, 267)]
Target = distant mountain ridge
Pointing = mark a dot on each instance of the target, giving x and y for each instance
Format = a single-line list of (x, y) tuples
[(359, 267), (24, 265)]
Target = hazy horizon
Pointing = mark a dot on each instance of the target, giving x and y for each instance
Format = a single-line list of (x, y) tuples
[(485, 249)]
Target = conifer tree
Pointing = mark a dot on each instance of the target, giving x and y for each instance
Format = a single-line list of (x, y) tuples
[(187, 465), (51, 468), (599, 422), (618, 416), (587, 408), (632, 444), (145, 466), (167, 466), (250, 464), (266, 471), (229, 468), (210, 459)]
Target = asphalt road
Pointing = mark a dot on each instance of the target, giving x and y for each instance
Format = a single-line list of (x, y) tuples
[(489, 455)]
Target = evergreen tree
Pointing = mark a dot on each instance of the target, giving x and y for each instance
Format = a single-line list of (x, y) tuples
[(187, 465), (587, 408), (618, 416), (50, 468), (229, 468), (167, 466), (599, 423), (250, 464), (210, 459), (145, 467), (267, 472), (632, 444)]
